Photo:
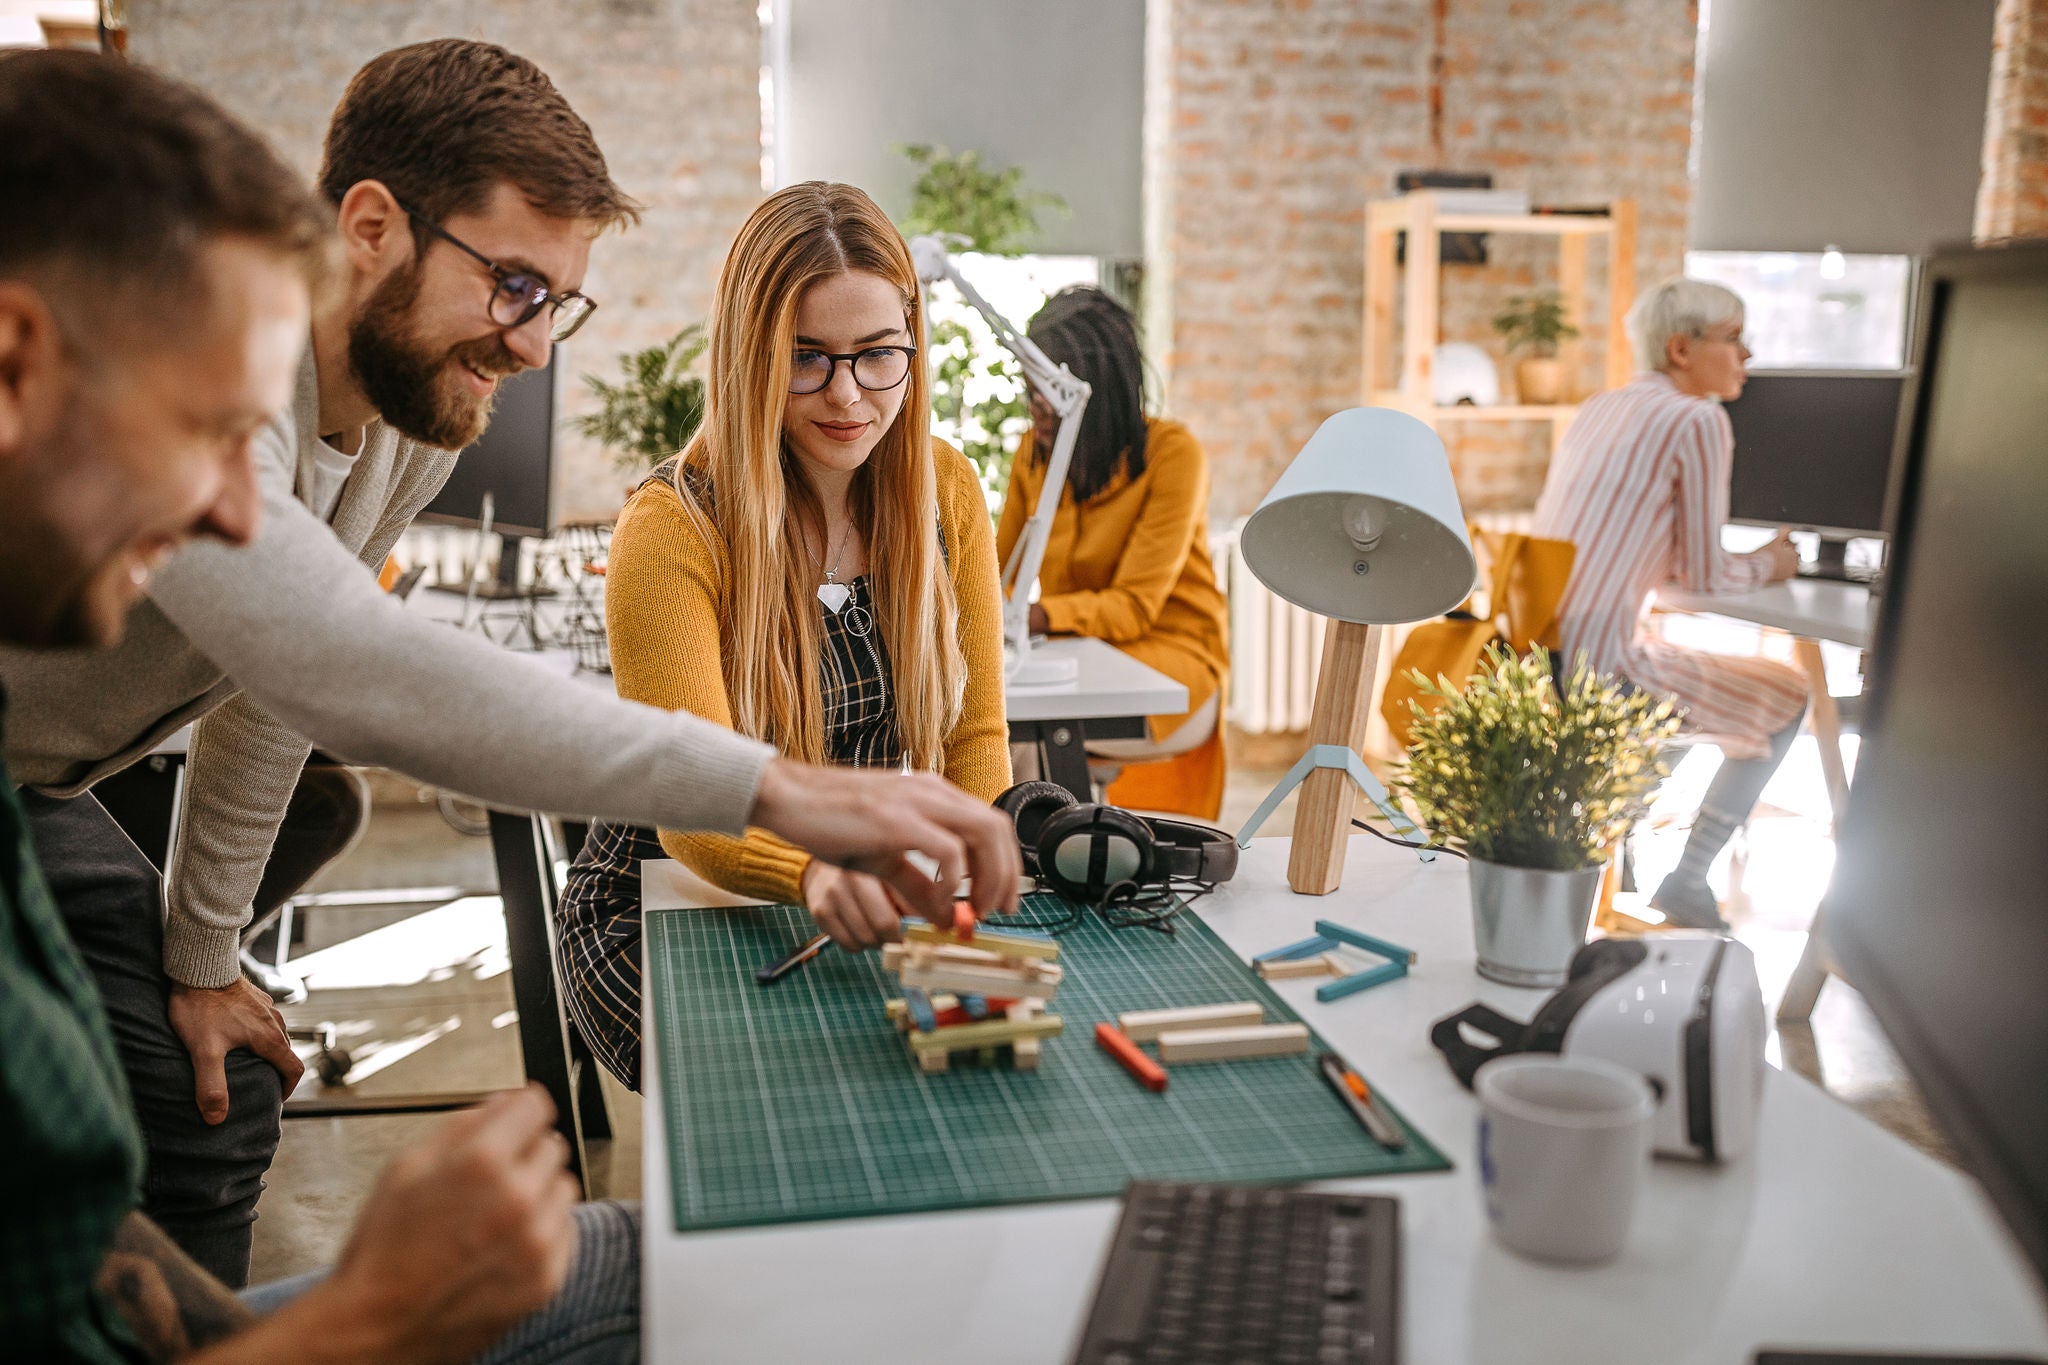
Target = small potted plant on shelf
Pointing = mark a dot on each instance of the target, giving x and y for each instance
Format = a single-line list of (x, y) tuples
[(1537, 322), (1534, 782), (657, 405)]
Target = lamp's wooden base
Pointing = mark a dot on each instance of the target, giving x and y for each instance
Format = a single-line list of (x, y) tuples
[(1322, 821)]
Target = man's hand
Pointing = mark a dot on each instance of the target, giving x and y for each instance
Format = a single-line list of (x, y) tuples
[(872, 822), (1783, 555), (213, 1023), (1041, 624), (464, 1235), (857, 910)]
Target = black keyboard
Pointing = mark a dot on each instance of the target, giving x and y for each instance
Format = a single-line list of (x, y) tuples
[(1248, 1275)]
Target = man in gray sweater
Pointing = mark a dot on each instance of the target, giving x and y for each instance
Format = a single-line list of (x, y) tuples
[(467, 195)]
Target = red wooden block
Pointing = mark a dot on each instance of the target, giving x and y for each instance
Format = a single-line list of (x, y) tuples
[(1150, 1074)]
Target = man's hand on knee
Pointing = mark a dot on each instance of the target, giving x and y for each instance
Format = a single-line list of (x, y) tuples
[(213, 1023)]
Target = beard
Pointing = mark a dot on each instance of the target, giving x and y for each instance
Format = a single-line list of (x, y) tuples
[(419, 392)]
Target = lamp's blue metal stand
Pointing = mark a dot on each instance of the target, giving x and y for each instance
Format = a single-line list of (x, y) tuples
[(1344, 760)]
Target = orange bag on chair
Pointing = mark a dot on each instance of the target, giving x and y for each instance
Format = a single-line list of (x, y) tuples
[(1529, 574)]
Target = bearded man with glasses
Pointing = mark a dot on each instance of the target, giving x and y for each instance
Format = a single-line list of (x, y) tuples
[(467, 195)]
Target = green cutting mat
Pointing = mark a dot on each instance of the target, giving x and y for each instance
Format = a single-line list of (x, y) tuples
[(799, 1100)]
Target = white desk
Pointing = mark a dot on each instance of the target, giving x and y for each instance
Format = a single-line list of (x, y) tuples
[(1832, 1233), (1108, 700), (1810, 610)]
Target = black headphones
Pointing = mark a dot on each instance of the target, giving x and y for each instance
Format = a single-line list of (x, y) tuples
[(1084, 850)]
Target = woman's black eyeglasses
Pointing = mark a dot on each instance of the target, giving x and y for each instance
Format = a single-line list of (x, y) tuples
[(877, 369), (519, 294)]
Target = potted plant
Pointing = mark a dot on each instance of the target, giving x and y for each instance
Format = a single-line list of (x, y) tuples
[(1534, 783), (1536, 321), (652, 412)]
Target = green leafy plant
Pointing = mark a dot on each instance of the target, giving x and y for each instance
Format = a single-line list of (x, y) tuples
[(1536, 321), (956, 194), (656, 407), (1520, 771)]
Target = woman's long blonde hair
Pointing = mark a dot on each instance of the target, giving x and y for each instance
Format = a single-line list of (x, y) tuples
[(745, 486)]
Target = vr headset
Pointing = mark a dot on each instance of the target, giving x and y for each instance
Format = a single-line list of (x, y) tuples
[(1084, 850), (1683, 1010)]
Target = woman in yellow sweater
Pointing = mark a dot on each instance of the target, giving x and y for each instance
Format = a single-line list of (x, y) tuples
[(814, 569), (1128, 561)]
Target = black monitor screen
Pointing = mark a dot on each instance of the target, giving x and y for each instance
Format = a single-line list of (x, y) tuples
[(1939, 906), (513, 461), (1814, 449)]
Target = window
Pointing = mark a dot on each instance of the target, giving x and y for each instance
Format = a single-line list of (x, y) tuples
[(1817, 310)]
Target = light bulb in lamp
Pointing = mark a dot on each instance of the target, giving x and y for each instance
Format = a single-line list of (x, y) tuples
[(1364, 527)]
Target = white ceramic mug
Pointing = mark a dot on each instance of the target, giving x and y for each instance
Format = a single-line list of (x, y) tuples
[(1564, 1146)]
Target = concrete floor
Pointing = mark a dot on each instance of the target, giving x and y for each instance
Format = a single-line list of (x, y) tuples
[(421, 997)]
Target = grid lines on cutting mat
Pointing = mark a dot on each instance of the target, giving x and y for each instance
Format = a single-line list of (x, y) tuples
[(800, 1101)]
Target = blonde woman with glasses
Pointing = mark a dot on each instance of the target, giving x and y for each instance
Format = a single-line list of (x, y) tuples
[(814, 570)]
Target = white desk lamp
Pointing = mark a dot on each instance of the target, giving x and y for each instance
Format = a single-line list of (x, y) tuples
[(1068, 397), (1365, 528)]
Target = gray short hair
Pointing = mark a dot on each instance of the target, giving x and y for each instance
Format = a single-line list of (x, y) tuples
[(1679, 307)]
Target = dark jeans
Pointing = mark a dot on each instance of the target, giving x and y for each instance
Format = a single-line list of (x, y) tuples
[(201, 1179)]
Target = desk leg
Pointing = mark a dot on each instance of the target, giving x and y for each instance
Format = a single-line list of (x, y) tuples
[(1827, 725), (1802, 992), (543, 1040), (1065, 746)]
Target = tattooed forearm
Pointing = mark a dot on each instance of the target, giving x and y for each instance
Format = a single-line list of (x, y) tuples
[(171, 1305)]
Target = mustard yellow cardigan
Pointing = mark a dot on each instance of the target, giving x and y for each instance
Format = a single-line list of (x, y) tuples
[(666, 612)]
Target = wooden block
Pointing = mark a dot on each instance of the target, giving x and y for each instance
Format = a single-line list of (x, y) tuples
[(1024, 1055), (988, 1033), (1149, 1073), (895, 956), (1231, 1044), (938, 1059), (993, 941), (942, 1005), (1141, 1026), (1039, 980), (1295, 968)]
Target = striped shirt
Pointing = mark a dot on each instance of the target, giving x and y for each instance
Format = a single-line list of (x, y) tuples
[(599, 929), (1640, 488)]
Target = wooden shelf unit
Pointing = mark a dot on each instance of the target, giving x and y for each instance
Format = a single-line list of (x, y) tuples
[(1419, 214)]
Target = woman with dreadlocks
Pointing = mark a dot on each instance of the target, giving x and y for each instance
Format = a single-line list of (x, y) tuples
[(1128, 561)]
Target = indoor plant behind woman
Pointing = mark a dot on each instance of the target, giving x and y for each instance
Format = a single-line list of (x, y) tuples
[(1534, 782)]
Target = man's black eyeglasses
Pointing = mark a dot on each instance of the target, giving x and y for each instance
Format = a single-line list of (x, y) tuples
[(519, 294), (877, 369)]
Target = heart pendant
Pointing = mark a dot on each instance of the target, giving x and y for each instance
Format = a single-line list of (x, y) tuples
[(834, 596)]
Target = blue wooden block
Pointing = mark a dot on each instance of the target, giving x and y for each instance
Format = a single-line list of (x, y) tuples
[(920, 1004), (975, 1005), (1365, 941), (1358, 981), (1308, 947)]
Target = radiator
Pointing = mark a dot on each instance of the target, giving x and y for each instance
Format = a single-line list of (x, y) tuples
[(1274, 648)]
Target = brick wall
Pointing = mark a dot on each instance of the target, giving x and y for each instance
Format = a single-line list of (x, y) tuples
[(1272, 122), (669, 86), (2012, 198)]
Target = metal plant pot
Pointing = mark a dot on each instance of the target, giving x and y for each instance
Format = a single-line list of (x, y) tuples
[(1528, 921)]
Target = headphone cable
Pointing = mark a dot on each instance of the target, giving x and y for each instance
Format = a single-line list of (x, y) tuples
[(1403, 843)]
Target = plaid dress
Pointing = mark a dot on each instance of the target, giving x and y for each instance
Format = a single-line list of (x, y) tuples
[(597, 932)]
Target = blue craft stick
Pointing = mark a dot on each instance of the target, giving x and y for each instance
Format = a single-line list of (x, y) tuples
[(1365, 941), (1308, 947), (975, 1005), (919, 1002), (1358, 981)]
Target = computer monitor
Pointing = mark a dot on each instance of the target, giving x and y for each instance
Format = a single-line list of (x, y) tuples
[(1813, 451), (513, 461), (1938, 911)]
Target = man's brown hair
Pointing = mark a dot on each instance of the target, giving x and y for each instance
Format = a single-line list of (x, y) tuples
[(440, 124), (114, 178)]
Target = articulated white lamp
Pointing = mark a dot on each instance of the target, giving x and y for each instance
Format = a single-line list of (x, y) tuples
[(1365, 528), (1068, 397)]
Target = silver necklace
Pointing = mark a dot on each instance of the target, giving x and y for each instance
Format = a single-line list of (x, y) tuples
[(832, 592)]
